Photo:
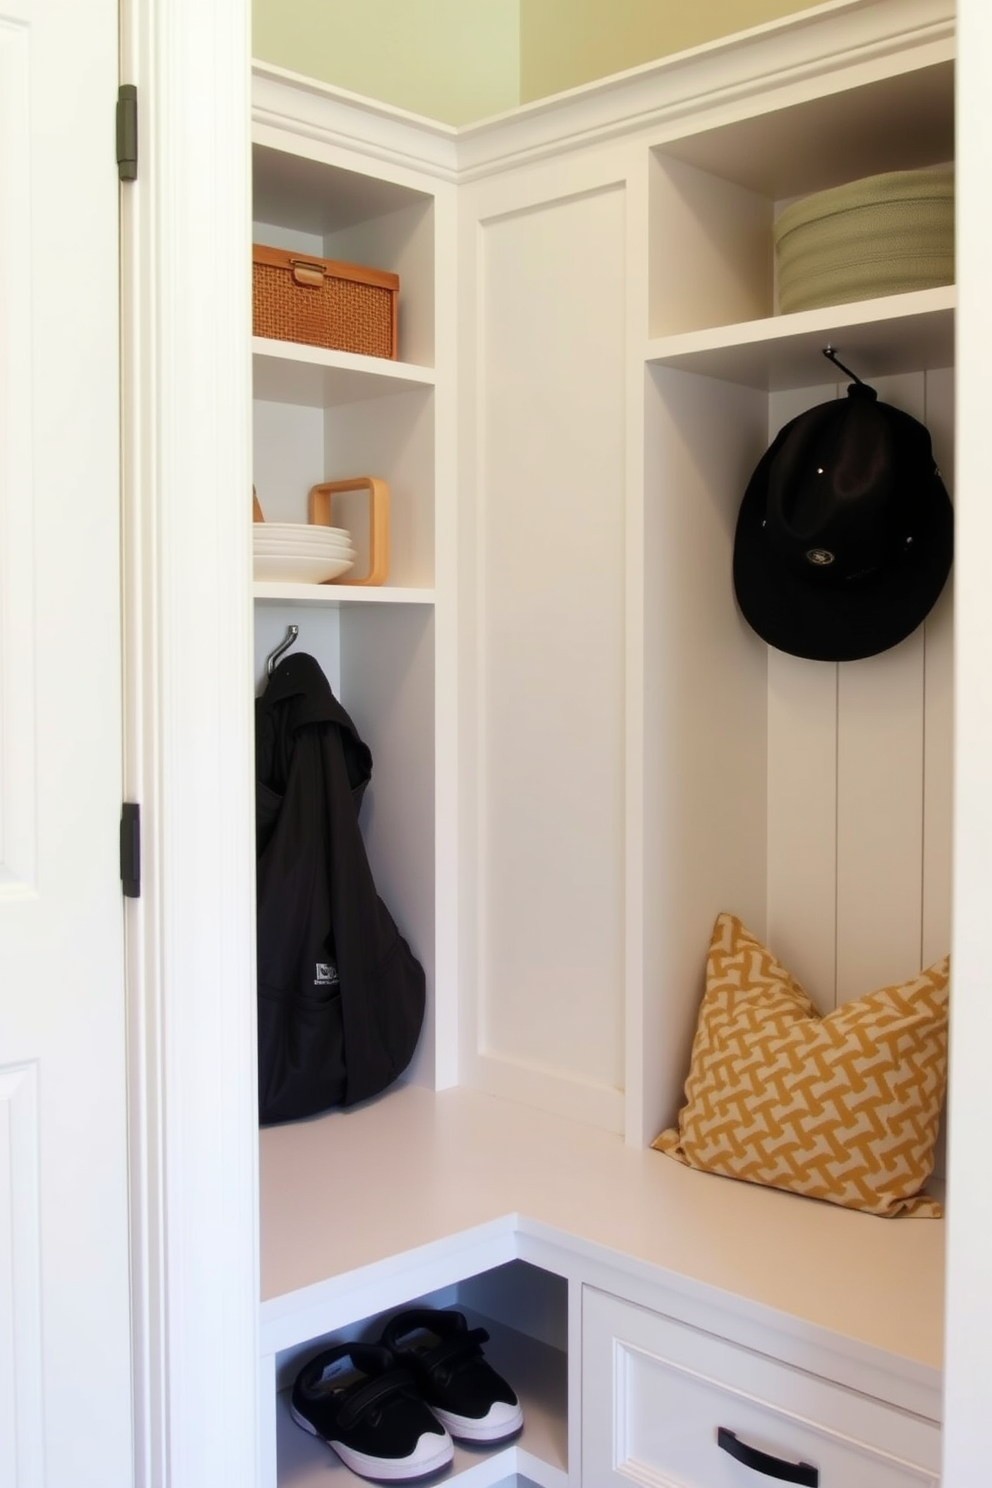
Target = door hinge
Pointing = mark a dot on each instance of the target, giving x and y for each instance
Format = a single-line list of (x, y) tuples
[(127, 132), (131, 849)]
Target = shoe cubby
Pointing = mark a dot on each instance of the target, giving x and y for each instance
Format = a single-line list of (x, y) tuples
[(524, 1310)]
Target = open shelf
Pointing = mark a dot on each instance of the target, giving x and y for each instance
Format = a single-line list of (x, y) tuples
[(806, 144), (334, 595), (879, 337), (304, 203), (714, 197), (314, 377), (392, 438), (537, 1372)]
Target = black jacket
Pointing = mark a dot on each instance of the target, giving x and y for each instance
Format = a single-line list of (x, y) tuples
[(340, 994)]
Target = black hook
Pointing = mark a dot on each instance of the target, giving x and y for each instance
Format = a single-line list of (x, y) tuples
[(831, 356)]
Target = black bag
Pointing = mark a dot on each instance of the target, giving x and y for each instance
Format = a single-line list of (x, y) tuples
[(340, 994)]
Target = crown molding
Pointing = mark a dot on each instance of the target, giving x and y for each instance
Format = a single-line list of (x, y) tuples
[(333, 117), (842, 37), (839, 38)]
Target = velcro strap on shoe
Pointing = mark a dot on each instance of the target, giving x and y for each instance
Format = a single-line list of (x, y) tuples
[(452, 1350), (393, 1382)]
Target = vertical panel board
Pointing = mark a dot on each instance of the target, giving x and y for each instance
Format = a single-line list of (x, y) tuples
[(881, 793), (938, 706), (287, 458), (874, 910), (387, 685), (880, 818), (802, 821), (802, 789), (401, 242), (694, 280), (552, 378), (705, 708), (392, 438), (641, 1103)]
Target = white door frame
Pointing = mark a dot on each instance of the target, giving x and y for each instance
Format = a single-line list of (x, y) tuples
[(188, 710)]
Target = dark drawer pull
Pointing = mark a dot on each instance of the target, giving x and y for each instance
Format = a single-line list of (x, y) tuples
[(772, 1467)]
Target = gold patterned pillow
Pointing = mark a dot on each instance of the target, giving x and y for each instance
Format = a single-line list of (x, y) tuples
[(844, 1107)]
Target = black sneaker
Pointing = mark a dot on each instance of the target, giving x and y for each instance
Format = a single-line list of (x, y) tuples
[(445, 1356), (358, 1400)]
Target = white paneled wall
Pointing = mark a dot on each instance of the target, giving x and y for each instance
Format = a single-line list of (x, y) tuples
[(552, 667), (704, 682)]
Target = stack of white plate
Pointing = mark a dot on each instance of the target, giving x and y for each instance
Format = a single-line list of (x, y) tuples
[(299, 553)]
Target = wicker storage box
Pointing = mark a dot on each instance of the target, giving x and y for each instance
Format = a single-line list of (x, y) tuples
[(883, 235), (321, 302)]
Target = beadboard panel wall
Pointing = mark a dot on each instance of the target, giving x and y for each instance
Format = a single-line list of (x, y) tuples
[(550, 573), (859, 779)]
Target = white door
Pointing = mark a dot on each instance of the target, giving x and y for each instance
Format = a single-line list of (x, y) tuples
[(65, 1407)]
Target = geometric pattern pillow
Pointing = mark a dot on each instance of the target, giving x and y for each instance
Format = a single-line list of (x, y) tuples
[(844, 1107)]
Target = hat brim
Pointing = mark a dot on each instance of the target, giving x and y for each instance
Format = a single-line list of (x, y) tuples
[(824, 623)]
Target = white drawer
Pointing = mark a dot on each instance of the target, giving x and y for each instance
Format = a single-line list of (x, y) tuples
[(659, 1397)]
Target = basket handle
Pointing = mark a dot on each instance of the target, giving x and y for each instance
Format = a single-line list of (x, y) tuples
[(305, 272)]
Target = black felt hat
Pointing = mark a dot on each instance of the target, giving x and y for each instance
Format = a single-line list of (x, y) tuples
[(846, 533)]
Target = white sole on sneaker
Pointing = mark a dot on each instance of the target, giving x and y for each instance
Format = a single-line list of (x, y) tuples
[(502, 1421), (431, 1453)]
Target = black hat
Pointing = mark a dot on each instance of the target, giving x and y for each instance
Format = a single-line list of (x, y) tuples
[(845, 534)]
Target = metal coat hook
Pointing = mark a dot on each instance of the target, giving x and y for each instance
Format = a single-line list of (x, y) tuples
[(291, 634)]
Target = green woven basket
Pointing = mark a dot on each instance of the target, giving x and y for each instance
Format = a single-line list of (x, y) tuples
[(879, 236)]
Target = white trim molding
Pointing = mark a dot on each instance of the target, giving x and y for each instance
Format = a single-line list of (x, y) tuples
[(21, 1392), (189, 697)]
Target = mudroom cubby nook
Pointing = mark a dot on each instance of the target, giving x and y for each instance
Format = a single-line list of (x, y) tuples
[(831, 827), (324, 415), (584, 754), (524, 1311)]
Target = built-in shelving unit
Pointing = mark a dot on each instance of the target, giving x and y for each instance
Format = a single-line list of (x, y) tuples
[(881, 337), (325, 415), (582, 752)]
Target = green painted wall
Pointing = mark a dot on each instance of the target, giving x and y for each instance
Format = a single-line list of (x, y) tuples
[(567, 42), (461, 60), (454, 60)]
